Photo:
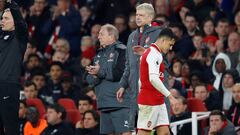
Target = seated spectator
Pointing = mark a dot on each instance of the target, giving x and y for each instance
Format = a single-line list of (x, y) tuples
[(69, 89), (90, 91), (219, 125), (39, 78), (22, 115), (56, 115), (229, 78), (62, 45), (30, 90), (234, 111), (233, 50), (54, 84), (209, 98), (85, 103), (180, 113), (35, 125), (90, 124)]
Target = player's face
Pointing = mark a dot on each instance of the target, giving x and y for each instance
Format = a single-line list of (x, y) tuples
[(167, 45)]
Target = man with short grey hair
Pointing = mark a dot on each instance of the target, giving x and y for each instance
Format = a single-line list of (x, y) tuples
[(104, 75), (138, 40)]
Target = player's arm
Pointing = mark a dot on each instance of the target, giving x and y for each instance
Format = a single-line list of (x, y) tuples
[(154, 62)]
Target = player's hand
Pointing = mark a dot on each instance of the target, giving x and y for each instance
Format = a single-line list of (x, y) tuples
[(139, 50), (172, 100), (119, 94)]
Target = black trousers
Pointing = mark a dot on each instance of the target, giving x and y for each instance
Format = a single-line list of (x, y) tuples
[(9, 107)]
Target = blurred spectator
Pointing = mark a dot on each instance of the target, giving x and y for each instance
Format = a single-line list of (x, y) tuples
[(176, 67), (94, 33), (30, 90), (120, 22), (107, 10), (54, 87), (62, 45), (59, 57), (233, 113), (222, 29), (233, 50), (208, 98), (180, 113), (85, 103), (87, 20), (208, 27), (220, 64), (218, 124), (22, 116), (56, 115), (89, 91), (32, 49), (182, 42), (38, 15), (78, 65), (191, 24), (198, 44), (90, 125), (35, 125), (64, 23), (33, 61), (162, 7), (200, 8), (237, 21), (86, 43), (229, 78), (182, 13), (69, 89), (132, 22)]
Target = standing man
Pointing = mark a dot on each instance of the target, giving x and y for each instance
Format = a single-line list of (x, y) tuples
[(105, 75), (13, 43), (139, 39), (152, 109)]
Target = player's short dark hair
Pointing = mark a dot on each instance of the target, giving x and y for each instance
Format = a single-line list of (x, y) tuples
[(166, 32)]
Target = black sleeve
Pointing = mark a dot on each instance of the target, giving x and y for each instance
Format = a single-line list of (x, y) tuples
[(20, 24), (120, 66)]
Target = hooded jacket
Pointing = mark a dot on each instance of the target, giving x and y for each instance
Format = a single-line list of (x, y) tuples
[(215, 73)]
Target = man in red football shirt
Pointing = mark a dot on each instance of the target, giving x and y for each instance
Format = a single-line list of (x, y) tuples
[(152, 109)]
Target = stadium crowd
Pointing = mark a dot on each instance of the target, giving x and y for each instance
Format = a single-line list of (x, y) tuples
[(202, 68)]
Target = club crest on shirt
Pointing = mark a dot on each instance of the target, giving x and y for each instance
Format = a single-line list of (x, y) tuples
[(149, 124), (111, 55)]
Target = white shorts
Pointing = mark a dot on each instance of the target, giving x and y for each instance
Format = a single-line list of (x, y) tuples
[(150, 117)]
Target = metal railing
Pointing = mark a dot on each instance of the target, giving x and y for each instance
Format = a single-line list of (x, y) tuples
[(194, 120)]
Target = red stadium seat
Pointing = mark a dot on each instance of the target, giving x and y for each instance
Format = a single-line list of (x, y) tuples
[(73, 116), (67, 103), (38, 104), (196, 105)]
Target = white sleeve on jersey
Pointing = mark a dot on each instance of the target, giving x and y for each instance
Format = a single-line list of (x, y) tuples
[(154, 60)]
